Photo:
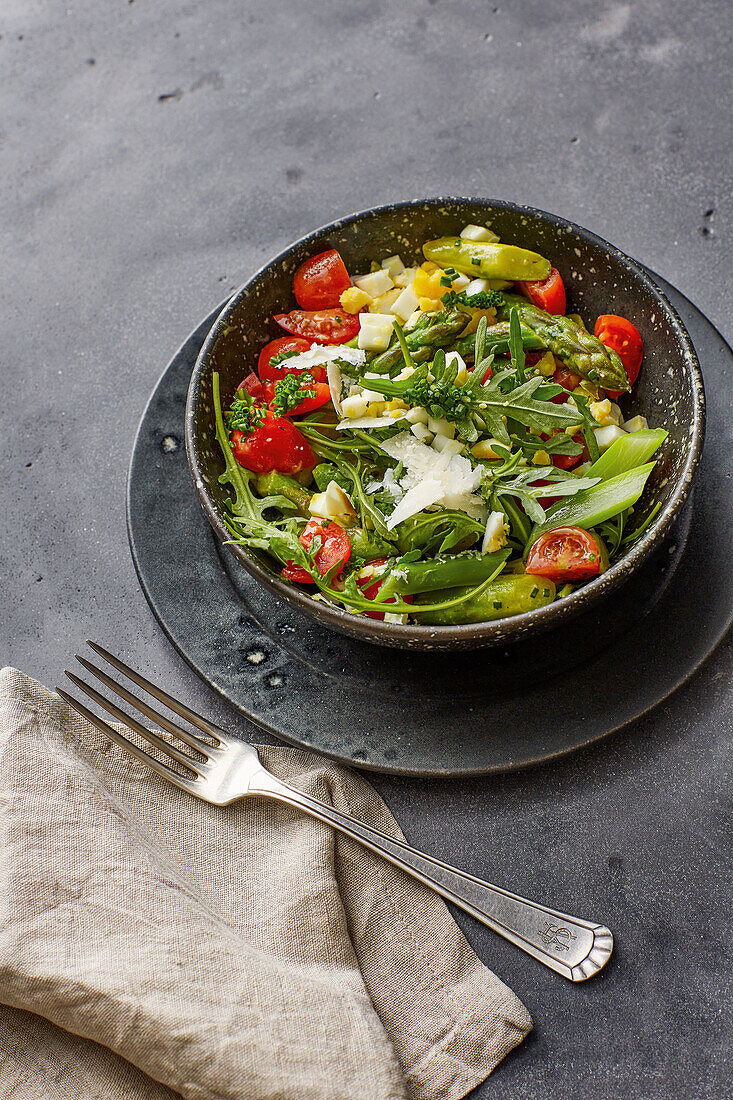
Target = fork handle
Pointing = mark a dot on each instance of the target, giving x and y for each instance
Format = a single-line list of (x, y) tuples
[(575, 948)]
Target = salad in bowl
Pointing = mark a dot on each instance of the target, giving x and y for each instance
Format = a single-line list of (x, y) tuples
[(433, 439)]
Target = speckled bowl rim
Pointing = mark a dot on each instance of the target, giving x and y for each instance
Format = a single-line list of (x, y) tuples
[(468, 635)]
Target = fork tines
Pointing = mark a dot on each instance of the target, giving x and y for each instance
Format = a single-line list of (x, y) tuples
[(195, 766)]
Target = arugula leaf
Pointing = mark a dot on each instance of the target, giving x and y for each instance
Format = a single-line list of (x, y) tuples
[(598, 503), (436, 532)]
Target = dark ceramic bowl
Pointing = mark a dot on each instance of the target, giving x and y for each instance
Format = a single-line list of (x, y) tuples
[(598, 279)]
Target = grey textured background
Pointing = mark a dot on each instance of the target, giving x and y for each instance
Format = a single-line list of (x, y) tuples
[(152, 155)]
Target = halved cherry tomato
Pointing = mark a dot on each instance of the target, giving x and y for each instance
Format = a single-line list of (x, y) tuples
[(324, 326), (320, 281), (275, 445), (335, 547), (548, 294), (276, 347), (252, 385), (566, 462), (567, 379), (308, 404), (565, 555), (625, 339), (370, 585)]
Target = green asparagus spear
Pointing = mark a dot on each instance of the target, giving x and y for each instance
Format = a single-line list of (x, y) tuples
[(423, 340), (507, 595), (580, 350), (423, 349), (274, 484), (497, 340), (488, 261), (368, 545), (449, 572)]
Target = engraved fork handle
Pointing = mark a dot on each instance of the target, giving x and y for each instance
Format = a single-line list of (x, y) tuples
[(575, 948)]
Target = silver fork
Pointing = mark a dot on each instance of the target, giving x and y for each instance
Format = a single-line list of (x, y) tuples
[(225, 769)]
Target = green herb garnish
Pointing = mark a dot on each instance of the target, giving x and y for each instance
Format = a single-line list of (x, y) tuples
[(289, 392), (483, 299)]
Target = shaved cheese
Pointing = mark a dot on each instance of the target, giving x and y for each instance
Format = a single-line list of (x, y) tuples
[(369, 422), (336, 385), (431, 470), (415, 499), (319, 354)]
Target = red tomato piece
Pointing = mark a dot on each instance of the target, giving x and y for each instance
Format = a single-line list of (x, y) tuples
[(548, 294), (322, 326), (567, 379), (321, 280), (275, 445), (369, 586), (566, 462), (276, 347), (565, 555), (335, 547), (624, 338), (546, 502), (252, 385), (308, 404)]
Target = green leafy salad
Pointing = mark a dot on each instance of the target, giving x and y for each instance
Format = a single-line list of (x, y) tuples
[(437, 444)]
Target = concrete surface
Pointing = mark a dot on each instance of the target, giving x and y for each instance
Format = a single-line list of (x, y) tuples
[(154, 154)]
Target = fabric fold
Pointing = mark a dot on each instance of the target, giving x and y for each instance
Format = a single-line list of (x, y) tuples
[(152, 945)]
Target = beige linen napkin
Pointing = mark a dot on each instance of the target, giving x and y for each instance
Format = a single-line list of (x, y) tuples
[(153, 946)]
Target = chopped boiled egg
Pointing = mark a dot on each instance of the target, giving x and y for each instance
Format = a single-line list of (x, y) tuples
[(405, 304), (333, 504), (477, 286), (462, 371), (372, 395), (484, 450), (421, 431), (460, 282), (353, 407), (607, 435), (546, 365), (405, 277), (375, 331), (353, 299), (605, 412), (636, 424), (375, 283), (447, 446), (427, 282), (394, 266), (478, 233), (430, 305), (440, 426), (495, 535), (384, 303)]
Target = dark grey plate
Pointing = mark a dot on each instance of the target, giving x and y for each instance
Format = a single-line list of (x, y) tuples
[(431, 714)]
